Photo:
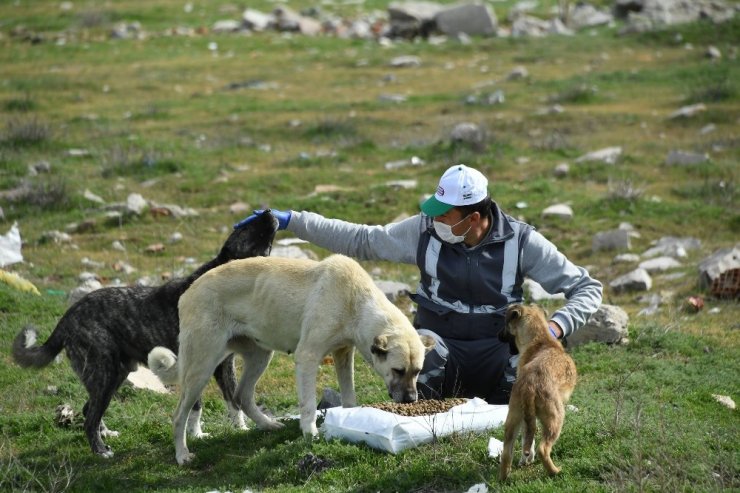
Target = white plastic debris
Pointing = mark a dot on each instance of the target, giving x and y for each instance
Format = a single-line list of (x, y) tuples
[(10, 247), (495, 447)]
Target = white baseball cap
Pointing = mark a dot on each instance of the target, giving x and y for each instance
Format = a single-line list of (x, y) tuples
[(459, 185)]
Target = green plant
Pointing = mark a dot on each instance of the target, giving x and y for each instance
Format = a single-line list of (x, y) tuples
[(21, 105), (26, 132)]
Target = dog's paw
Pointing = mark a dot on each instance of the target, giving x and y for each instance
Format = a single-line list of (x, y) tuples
[(237, 419), (107, 454), (310, 437), (310, 431), (271, 425), (526, 460), (185, 458)]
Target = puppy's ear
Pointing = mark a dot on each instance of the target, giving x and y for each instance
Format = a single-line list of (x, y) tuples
[(513, 313), (428, 342), (380, 347)]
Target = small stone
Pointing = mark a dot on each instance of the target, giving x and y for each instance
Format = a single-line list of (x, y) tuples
[(563, 211), (725, 400), (155, 248)]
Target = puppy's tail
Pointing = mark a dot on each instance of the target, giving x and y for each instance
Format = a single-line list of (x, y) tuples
[(27, 354), (163, 363)]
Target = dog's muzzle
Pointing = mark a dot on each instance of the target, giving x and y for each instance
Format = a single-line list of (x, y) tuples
[(404, 397)]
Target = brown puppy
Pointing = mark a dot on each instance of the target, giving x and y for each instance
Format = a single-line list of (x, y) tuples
[(546, 376)]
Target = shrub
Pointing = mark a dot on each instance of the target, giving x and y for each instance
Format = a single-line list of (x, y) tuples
[(20, 105), (133, 161), (25, 132)]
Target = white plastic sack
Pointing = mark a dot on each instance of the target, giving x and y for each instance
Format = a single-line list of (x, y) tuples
[(10, 247), (393, 433)]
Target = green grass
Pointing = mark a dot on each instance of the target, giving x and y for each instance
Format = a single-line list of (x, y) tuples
[(645, 419), (166, 118)]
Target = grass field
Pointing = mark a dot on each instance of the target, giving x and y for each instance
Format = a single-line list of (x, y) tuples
[(266, 119)]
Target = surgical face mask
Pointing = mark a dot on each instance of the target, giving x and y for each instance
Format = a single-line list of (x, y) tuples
[(444, 231)]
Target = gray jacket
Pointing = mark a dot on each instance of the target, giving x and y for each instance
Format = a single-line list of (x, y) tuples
[(538, 258)]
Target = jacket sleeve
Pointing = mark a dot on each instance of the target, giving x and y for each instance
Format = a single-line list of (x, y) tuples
[(542, 262), (395, 242)]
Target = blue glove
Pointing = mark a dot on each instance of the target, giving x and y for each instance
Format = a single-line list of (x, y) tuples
[(283, 218)]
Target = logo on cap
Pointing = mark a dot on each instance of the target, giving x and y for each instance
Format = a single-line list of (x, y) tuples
[(440, 191)]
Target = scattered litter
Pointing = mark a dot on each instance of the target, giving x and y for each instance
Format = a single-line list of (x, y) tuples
[(10, 247), (17, 282), (495, 447), (694, 304), (478, 488), (64, 415)]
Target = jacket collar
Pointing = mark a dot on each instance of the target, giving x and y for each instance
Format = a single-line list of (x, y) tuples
[(501, 229)]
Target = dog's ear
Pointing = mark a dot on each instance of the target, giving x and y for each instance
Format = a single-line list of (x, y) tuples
[(513, 313), (428, 342), (380, 347)]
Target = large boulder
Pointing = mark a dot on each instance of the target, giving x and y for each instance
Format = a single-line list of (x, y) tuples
[(474, 19), (646, 15), (637, 280), (411, 19), (608, 324), (615, 239)]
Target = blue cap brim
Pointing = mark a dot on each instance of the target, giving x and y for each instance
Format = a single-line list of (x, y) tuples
[(433, 207)]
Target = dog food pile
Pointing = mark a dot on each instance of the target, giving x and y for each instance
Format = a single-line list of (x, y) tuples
[(420, 407)]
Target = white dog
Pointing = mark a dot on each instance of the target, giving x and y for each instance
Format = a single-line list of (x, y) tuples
[(255, 306)]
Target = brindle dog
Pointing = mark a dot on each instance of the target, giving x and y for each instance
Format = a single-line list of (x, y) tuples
[(109, 331)]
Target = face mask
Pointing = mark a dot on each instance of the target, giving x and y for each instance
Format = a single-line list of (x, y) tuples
[(444, 231)]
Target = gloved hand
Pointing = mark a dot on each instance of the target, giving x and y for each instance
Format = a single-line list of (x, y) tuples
[(283, 218)]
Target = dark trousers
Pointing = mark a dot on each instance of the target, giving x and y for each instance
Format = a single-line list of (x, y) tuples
[(481, 368)]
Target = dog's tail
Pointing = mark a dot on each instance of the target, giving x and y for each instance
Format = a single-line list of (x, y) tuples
[(27, 354), (163, 363)]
